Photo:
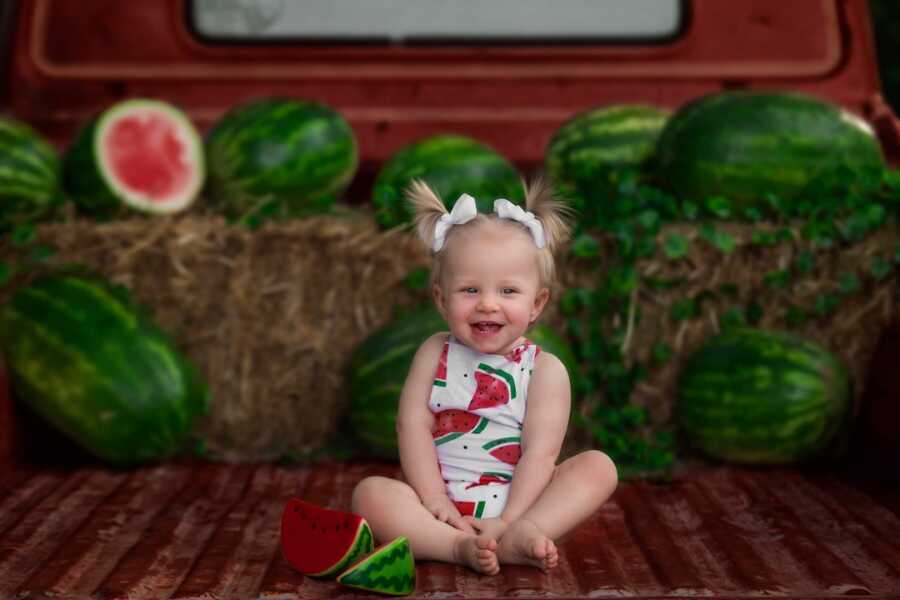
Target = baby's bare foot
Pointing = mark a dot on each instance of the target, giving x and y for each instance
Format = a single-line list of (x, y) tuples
[(525, 544), (477, 552)]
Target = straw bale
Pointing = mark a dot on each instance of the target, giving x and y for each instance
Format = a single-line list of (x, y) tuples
[(272, 316)]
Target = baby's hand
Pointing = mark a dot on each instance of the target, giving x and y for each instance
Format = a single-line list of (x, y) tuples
[(444, 510), (492, 528)]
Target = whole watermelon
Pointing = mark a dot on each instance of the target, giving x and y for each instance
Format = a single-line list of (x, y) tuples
[(452, 165), (764, 397), (381, 363), (137, 154), (744, 145), (29, 175), (90, 361), (294, 156), (588, 150)]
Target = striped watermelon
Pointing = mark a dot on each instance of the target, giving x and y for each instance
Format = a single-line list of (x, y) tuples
[(451, 165), (743, 145), (91, 362), (390, 569), (29, 175), (297, 155), (377, 371), (140, 154), (322, 542), (759, 396), (587, 151)]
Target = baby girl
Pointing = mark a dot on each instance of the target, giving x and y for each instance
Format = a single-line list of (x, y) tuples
[(483, 412)]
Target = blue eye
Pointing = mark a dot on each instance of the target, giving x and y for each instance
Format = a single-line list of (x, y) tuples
[(471, 290), (508, 291)]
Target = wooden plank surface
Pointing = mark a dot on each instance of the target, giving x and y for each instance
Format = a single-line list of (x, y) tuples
[(212, 531)]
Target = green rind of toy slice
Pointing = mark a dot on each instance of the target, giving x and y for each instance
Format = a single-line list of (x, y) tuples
[(391, 569), (362, 545)]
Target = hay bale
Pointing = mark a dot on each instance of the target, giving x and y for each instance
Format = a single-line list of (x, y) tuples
[(269, 316), (272, 316)]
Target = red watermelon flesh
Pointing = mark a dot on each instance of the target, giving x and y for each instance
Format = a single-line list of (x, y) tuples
[(489, 478), (507, 450), (321, 542), (470, 509), (149, 155), (441, 374), (451, 424), (494, 388)]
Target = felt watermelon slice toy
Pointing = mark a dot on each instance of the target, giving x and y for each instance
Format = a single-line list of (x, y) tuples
[(390, 569), (320, 542), (495, 388), (143, 154), (506, 449), (453, 423)]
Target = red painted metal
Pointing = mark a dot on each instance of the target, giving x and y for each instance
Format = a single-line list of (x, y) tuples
[(73, 58), (211, 531)]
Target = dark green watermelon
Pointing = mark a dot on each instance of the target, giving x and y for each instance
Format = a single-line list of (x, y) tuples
[(29, 175), (591, 148), (452, 165), (763, 397), (84, 356), (745, 145), (295, 156)]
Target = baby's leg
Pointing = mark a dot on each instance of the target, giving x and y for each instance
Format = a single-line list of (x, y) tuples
[(393, 508), (580, 485)]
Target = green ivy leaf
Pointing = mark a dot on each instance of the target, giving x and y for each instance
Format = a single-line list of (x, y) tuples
[(849, 283), (763, 238), (720, 239), (805, 261), (880, 268), (752, 214), (660, 353), (23, 234), (733, 317), (825, 304), (6, 273), (676, 246), (689, 210), (683, 309), (719, 206), (585, 246), (778, 279), (417, 279), (649, 220)]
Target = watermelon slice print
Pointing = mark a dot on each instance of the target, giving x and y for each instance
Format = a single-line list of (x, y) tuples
[(451, 424), (491, 477), (516, 355), (440, 377), (506, 450), (471, 509), (495, 387)]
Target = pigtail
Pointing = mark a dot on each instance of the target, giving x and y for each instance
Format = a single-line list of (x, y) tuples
[(553, 214), (427, 209)]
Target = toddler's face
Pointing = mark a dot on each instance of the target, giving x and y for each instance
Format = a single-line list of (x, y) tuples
[(490, 291)]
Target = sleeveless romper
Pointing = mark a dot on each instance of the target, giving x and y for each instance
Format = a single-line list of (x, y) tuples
[(478, 401)]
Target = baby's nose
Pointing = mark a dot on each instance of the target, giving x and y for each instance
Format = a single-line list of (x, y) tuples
[(487, 302)]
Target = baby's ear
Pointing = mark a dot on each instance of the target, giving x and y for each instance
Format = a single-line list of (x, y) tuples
[(540, 302)]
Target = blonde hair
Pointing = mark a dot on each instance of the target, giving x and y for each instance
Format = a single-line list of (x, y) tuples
[(539, 199)]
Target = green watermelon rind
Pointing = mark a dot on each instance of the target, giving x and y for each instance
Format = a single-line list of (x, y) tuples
[(390, 569), (91, 362), (449, 437), (91, 182), (510, 382), (30, 175), (724, 388), (298, 154), (590, 146), (747, 145), (452, 165)]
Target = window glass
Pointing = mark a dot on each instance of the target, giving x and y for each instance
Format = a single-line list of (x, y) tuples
[(437, 20)]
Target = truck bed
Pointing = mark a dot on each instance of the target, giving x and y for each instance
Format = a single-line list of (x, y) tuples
[(206, 530)]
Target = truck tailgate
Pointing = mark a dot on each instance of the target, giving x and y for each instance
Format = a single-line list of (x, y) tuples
[(212, 531)]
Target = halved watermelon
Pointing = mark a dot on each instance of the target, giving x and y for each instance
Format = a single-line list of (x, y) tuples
[(320, 542), (143, 154)]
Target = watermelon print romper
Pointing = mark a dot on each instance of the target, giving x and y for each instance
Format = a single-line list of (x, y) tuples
[(478, 401)]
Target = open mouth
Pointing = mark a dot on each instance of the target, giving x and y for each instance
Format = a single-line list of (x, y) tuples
[(486, 327)]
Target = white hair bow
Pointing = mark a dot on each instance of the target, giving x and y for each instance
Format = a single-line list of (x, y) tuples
[(463, 211), (507, 210)]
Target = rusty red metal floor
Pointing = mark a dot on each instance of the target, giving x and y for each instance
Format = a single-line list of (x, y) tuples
[(212, 531)]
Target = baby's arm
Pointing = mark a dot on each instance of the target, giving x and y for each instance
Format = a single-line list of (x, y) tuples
[(543, 432), (415, 421)]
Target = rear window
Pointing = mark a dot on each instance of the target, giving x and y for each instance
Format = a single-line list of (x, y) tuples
[(437, 21)]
